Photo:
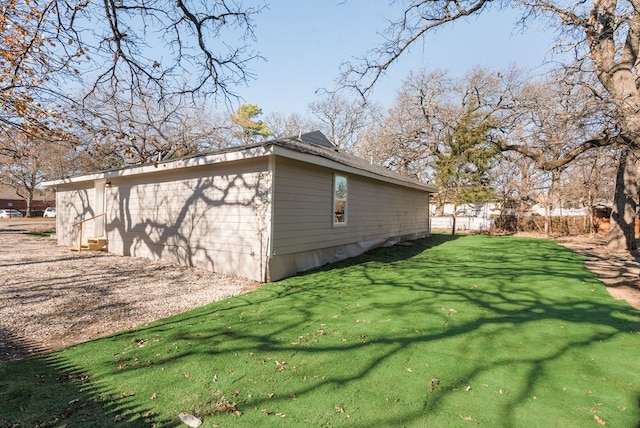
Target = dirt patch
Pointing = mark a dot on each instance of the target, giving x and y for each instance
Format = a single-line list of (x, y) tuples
[(52, 298), (619, 271)]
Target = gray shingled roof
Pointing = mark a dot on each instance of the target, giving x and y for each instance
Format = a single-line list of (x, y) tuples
[(312, 143), (315, 143)]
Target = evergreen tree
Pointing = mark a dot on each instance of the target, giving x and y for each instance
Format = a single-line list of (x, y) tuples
[(463, 161), (250, 128)]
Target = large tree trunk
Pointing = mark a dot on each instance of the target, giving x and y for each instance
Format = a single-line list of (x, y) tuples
[(625, 202), (29, 201)]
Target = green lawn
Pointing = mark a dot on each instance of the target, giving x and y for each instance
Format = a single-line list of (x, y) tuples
[(453, 331)]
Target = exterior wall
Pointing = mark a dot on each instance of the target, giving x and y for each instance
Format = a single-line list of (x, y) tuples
[(263, 218), (304, 235), (74, 202), (214, 217)]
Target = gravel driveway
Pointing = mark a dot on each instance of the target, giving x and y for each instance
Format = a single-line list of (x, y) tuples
[(51, 298)]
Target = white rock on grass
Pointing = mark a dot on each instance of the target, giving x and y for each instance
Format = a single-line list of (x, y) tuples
[(190, 420)]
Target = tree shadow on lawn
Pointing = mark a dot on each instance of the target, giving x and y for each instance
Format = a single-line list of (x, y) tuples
[(406, 330), (45, 391), (515, 312), (39, 389)]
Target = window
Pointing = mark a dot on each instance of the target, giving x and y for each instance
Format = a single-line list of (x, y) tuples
[(339, 200)]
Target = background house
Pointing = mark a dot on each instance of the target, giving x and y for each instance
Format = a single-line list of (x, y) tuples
[(264, 211), (41, 200)]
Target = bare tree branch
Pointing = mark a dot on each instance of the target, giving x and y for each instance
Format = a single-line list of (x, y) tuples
[(418, 19)]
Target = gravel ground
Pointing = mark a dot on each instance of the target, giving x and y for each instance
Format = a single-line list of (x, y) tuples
[(51, 298)]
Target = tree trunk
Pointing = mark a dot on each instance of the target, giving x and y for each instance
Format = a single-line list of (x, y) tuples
[(625, 202), (29, 199), (555, 175), (453, 226), (590, 212)]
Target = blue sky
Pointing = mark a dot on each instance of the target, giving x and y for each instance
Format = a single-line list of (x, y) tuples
[(304, 43)]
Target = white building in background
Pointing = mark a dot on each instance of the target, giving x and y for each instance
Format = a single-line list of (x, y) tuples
[(471, 216), (480, 209), (540, 209)]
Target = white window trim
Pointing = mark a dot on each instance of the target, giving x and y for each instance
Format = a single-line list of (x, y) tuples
[(334, 200)]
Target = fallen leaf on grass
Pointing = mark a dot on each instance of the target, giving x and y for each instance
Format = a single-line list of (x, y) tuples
[(269, 412), (466, 418), (599, 420), (433, 383), (225, 406)]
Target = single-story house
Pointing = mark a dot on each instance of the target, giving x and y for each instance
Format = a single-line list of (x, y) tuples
[(264, 211)]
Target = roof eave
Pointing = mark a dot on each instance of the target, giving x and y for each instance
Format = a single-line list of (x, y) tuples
[(329, 163), (176, 164), (250, 152)]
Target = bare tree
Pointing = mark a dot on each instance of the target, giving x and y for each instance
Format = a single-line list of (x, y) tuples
[(151, 49), (342, 120), (290, 125), (150, 131), (429, 108), (516, 183), (603, 34), (33, 161), (547, 123), (406, 137)]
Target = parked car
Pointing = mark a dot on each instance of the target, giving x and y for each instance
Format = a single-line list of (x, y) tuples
[(10, 213), (49, 212)]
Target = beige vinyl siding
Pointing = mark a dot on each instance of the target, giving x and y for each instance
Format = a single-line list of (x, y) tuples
[(215, 217), (376, 210), (379, 209), (74, 202)]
